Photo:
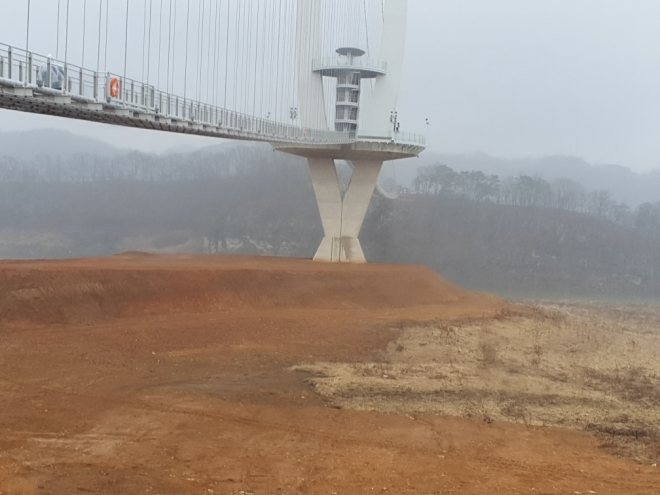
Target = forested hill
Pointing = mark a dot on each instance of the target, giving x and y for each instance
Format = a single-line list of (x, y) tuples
[(516, 250), (250, 199), (52, 143), (623, 184)]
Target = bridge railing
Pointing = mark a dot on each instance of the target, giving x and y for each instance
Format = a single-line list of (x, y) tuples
[(409, 138), (51, 77), (55, 77), (395, 137)]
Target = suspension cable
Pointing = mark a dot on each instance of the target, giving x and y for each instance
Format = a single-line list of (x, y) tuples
[(200, 49), (218, 6), (66, 39), (295, 89), (173, 50), (311, 93), (208, 55), (144, 36), (82, 63), (269, 70), (246, 80), (227, 53), (245, 97), (245, 73), (277, 67), (98, 52), (366, 26), (287, 92), (57, 49), (169, 46), (107, 17), (236, 49), (267, 65), (160, 42), (256, 60), (27, 36), (185, 72), (125, 53), (149, 42)]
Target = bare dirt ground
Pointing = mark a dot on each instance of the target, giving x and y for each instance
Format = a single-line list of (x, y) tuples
[(191, 374)]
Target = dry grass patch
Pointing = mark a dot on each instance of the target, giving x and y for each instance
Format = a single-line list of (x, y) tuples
[(577, 365)]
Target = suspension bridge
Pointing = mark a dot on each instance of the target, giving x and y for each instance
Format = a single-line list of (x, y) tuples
[(315, 78)]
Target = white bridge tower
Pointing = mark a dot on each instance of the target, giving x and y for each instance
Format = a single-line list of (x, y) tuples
[(376, 142)]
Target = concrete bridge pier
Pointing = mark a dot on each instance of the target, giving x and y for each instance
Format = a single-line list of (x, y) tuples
[(342, 217)]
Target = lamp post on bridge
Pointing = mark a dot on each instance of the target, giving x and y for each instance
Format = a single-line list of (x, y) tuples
[(394, 120)]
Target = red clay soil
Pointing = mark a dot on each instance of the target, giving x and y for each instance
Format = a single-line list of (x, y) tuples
[(170, 375)]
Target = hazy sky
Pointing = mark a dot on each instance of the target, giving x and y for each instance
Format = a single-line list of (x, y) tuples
[(511, 78)]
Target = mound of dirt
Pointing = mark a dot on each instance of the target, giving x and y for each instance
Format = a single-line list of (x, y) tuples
[(135, 284)]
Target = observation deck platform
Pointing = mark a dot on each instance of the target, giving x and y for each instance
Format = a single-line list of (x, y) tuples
[(369, 68)]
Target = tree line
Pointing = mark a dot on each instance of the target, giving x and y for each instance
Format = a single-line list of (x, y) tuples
[(251, 200), (526, 191)]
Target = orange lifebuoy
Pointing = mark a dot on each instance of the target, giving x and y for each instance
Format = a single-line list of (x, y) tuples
[(114, 87)]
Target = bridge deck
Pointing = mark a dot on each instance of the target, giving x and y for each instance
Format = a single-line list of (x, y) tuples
[(33, 83)]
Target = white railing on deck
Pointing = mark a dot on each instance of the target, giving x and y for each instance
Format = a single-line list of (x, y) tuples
[(391, 136), (31, 70), (53, 77)]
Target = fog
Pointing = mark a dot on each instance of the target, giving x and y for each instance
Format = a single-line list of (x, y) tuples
[(521, 78), (511, 78), (517, 236), (542, 176)]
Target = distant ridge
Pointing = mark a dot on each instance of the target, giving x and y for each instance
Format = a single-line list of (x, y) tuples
[(631, 187), (30, 144)]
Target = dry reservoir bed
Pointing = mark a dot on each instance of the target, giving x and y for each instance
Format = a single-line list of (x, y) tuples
[(142, 374), (584, 366)]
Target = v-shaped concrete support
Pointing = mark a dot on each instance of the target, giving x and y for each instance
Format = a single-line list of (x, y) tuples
[(342, 218)]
